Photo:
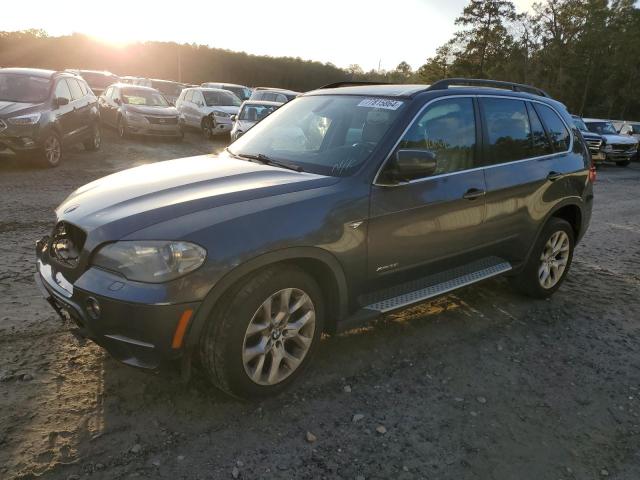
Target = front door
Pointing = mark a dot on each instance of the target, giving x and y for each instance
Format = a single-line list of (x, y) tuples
[(437, 219), (64, 113)]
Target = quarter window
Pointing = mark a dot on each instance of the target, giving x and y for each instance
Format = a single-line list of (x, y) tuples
[(541, 145), (557, 131), (448, 129)]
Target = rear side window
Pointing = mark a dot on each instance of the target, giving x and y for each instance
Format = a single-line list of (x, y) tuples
[(508, 131), (83, 87), (557, 131), (76, 91), (448, 129)]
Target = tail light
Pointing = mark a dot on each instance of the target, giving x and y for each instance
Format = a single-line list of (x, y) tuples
[(592, 173)]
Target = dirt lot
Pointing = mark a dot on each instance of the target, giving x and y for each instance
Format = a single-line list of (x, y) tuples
[(482, 384)]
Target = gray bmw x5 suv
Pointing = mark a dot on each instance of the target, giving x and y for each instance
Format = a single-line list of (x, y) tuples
[(346, 203)]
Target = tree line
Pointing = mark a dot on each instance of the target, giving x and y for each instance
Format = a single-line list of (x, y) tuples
[(586, 53)]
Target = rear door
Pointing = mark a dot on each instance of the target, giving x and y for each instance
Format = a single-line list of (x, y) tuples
[(522, 164), (428, 220), (81, 108)]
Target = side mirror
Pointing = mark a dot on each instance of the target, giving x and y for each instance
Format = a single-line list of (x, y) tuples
[(412, 164), (117, 101), (234, 118), (60, 101)]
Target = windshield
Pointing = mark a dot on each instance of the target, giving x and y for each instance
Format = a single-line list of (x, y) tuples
[(255, 112), (167, 88), (578, 122), (221, 99), (23, 88), (98, 80), (324, 134), (240, 92), (602, 128), (144, 97)]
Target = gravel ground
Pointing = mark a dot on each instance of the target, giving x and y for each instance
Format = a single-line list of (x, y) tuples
[(480, 384)]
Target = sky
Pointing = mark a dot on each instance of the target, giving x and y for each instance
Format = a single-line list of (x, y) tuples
[(367, 32)]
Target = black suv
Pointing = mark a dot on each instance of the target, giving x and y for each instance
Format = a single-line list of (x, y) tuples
[(346, 203), (41, 111)]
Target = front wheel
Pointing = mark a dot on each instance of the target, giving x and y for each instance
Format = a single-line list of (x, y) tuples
[(95, 141), (123, 131), (51, 152), (549, 261), (208, 126), (265, 335)]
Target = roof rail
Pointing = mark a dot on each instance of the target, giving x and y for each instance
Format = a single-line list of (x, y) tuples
[(350, 84), (481, 82)]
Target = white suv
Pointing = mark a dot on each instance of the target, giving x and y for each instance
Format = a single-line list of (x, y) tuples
[(208, 109)]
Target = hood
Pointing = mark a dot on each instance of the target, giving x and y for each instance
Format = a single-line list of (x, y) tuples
[(619, 139), (145, 110), (119, 204), (589, 134), (230, 110), (10, 109)]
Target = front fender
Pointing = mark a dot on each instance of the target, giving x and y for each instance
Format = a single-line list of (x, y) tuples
[(293, 253)]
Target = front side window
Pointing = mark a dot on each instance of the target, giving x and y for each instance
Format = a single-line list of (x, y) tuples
[(560, 136), (76, 91), (148, 98), (325, 134), (62, 90), (447, 128), (23, 88)]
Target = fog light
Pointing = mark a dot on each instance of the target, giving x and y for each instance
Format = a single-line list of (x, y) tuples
[(93, 308), (27, 141)]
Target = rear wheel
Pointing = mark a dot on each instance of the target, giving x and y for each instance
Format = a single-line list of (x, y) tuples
[(95, 141), (549, 261), (265, 335), (50, 154)]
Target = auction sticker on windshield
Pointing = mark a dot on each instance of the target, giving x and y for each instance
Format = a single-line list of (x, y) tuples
[(380, 103)]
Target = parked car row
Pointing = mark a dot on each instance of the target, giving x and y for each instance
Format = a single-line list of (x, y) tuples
[(43, 111), (606, 143)]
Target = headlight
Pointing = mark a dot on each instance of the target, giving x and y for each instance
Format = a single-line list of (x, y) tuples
[(30, 119), (135, 117), (218, 113), (150, 261)]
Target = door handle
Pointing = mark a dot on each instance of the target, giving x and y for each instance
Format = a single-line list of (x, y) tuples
[(473, 193), (553, 176)]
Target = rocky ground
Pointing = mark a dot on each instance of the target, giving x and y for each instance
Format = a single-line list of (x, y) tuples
[(481, 384)]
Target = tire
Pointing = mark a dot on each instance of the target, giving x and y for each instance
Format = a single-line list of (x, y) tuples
[(623, 163), (229, 349), (207, 128), (123, 131), (95, 141), (50, 155), (532, 280)]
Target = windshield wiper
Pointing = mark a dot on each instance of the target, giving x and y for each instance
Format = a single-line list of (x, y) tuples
[(264, 159)]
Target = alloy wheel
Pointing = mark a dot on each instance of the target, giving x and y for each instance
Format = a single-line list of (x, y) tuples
[(52, 150), (554, 259), (279, 336)]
